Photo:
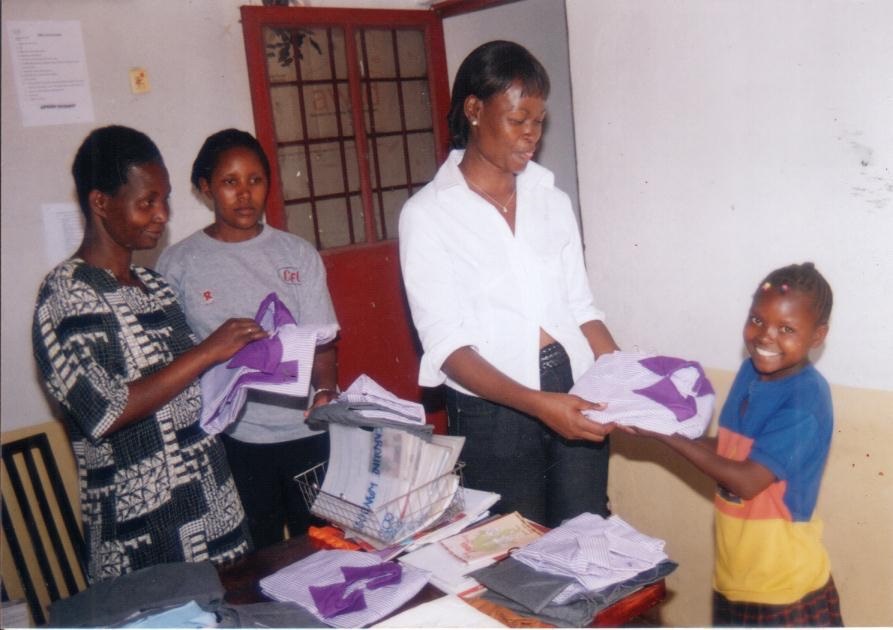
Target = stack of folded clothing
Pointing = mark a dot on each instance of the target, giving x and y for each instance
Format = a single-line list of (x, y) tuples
[(347, 589), (281, 363), (367, 404), (662, 394), (573, 571), (172, 595)]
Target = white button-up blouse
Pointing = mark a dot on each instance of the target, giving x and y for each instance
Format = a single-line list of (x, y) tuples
[(472, 282)]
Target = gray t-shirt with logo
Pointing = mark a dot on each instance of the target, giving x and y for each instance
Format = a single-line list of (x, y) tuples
[(215, 281)]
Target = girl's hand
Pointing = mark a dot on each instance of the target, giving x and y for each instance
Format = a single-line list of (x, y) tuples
[(233, 335), (639, 431), (563, 413)]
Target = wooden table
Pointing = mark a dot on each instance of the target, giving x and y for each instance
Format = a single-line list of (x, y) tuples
[(241, 581)]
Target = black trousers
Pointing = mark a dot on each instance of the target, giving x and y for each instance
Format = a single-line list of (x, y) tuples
[(545, 477), (264, 475)]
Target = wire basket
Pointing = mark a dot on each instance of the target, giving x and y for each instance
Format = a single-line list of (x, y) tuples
[(422, 508)]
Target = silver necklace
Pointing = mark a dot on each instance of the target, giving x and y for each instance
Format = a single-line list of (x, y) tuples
[(502, 206)]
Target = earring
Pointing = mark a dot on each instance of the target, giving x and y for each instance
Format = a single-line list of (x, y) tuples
[(474, 123)]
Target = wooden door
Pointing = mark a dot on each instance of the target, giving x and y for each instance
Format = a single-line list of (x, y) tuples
[(350, 106)]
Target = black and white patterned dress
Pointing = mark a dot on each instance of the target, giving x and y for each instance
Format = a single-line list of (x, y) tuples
[(158, 490)]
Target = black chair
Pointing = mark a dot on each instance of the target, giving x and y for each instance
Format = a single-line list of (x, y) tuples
[(39, 525)]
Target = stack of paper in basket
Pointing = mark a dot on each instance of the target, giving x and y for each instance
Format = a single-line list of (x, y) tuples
[(388, 477), (391, 484)]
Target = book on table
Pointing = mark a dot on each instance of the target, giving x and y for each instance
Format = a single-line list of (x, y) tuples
[(492, 540), (452, 559)]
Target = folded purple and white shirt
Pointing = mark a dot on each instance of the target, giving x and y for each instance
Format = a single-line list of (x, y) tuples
[(281, 363), (662, 394)]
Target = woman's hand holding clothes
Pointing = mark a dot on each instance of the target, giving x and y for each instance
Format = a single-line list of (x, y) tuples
[(148, 394), (563, 413), (232, 335)]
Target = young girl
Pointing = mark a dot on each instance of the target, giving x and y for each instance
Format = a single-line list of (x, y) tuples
[(774, 433), (228, 268)]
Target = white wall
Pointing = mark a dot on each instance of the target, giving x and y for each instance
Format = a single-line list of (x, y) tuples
[(541, 27), (717, 141), (194, 53)]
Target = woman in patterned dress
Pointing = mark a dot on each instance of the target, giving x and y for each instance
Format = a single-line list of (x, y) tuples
[(115, 350)]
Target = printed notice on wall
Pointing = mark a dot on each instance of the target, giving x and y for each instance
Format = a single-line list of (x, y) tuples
[(51, 72), (63, 230)]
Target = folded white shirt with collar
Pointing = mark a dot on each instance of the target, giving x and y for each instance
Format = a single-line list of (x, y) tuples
[(666, 395)]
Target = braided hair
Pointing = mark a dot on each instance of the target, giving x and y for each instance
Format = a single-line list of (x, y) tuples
[(805, 279)]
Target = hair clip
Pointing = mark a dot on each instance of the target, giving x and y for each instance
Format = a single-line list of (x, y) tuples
[(784, 288), (766, 286)]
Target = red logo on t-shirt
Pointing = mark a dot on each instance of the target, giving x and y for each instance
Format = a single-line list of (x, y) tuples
[(207, 296), (290, 275)]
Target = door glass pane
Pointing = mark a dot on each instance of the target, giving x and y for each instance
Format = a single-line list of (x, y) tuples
[(280, 61), (377, 52), (384, 115), (293, 173), (314, 129), (422, 163), (391, 161), (336, 217), (397, 108), (311, 102), (299, 220), (286, 113), (330, 174), (416, 104), (392, 201), (323, 103), (358, 218), (323, 55), (411, 53), (335, 222)]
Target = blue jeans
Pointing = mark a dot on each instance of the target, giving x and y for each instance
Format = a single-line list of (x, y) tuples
[(545, 477)]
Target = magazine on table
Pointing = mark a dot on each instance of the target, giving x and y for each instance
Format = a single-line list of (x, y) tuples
[(452, 559), (492, 540)]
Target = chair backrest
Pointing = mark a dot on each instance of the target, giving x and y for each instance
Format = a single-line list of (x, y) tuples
[(39, 525)]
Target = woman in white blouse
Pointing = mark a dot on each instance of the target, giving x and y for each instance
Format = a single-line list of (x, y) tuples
[(493, 266)]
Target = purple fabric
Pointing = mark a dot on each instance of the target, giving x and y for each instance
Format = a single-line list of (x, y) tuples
[(262, 354), (281, 314), (283, 373), (336, 599), (265, 354), (664, 392), (665, 366)]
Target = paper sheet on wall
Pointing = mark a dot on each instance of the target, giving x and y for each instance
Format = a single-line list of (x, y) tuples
[(50, 68), (63, 230)]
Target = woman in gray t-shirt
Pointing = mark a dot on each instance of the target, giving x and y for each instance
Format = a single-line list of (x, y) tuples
[(227, 268)]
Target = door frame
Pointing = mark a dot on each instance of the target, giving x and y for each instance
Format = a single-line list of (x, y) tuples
[(255, 19)]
